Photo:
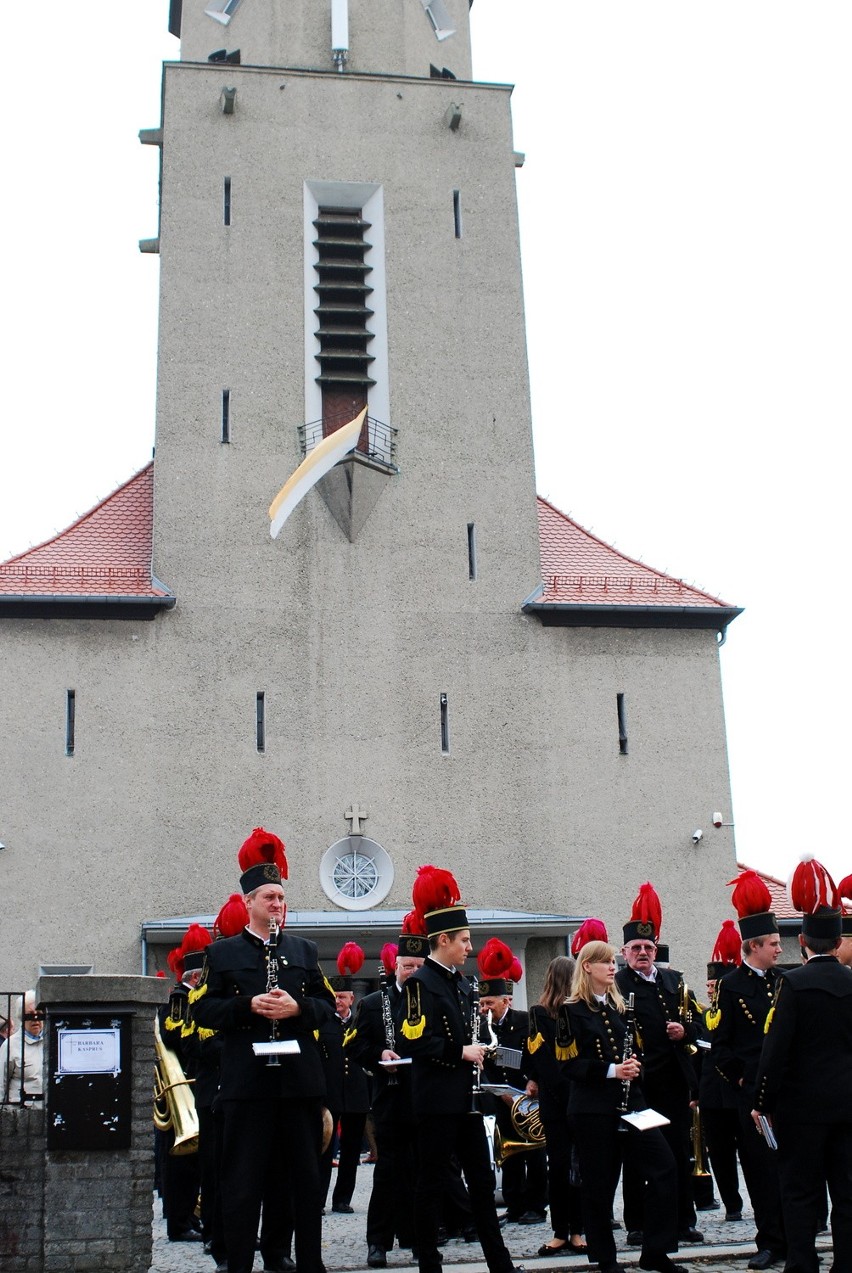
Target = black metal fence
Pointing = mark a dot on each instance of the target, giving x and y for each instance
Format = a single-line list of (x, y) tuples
[(21, 1050), (377, 440)]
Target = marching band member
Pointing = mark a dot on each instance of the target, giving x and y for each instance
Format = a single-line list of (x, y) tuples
[(257, 986), (604, 1068), (668, 1076), (439, 1033), (347, 1090), (804, 1079), (743, 1000), (716, 1098)]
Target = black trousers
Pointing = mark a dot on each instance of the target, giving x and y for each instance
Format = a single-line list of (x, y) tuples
[(760, 1168), (811, 1156), (271, 1149), (666, 1092), (722, 1136), (602, 1148), (389, 1210), (566, 1200), (350, 1140), (439, 1136), (180, 1182)]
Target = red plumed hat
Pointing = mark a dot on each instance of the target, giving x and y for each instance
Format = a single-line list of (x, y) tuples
[(413, 942), (646, 915), (232, 918), (350, 960), (175, 961), (590, 930), (495, 962), (812, 891), (727, 953), (436, 895), (388, 955), (844, 888), (516, 972), (195, 941), (262, 860), (752, 900)]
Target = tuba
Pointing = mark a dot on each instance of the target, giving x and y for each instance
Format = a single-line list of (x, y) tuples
[(526, 1120), (174, 1103)]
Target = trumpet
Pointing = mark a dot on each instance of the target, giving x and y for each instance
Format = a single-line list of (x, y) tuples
[(174, 1103)]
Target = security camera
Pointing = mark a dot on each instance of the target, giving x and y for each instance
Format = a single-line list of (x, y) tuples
[(717, 819), (696, 836)]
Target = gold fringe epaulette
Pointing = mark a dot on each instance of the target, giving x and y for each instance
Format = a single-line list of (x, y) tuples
[(535, 1042), (316, 1035), (173, 1023), (415, 1022), (566, 1053), (713, 1017), (187, 1028), (349, 1035), (198, 993), (204, 1033)]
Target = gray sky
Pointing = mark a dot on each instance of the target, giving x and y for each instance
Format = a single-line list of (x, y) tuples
[(686, 206)]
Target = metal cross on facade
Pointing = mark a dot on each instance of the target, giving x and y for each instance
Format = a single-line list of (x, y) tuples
[(356, 816)]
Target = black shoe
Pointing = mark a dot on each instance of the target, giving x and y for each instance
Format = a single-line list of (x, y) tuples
[(509, 1217), (690, 1235), (611, 1268), (442, 1237), (614, 1224), (376, 1258), (662, 1264), (710, 1206), (733, 1215), (634, 1237), (343, 1208), (764, 1260), (469, 1234), (186, 1235), (532, 1217), (282, 1265)]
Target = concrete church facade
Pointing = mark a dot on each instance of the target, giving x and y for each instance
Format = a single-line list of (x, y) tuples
[(429, 664)]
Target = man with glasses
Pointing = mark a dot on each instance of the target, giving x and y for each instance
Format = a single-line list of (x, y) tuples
[(668, 1076)]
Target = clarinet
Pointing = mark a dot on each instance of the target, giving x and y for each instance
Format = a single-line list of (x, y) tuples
[(271, 949), (387, 1020), (474, 1038), (628, 1052)]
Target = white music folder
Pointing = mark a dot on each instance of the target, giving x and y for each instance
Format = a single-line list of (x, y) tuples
[(644, 1119), (281, 1047)]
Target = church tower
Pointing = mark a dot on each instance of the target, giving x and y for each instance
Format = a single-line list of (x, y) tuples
[(428, 664)]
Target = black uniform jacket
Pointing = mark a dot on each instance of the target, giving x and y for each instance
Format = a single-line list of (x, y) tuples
[(597, 1038), (437, 1024), (177, 1027), (656, 1003), (806, 1065), (367, 1040), (347, 1090), (234, 972), (542, 1064), (743, 1001)]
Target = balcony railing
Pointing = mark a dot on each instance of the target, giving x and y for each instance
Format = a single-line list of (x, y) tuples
[(376, 442)]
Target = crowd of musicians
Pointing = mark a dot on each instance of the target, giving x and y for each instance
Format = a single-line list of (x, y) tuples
[(619, 1077)]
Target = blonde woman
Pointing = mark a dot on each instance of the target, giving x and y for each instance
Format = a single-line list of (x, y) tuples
[(602, 1083)]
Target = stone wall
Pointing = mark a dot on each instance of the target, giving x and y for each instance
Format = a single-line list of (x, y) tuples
[(72, 1211), (22, 1168)]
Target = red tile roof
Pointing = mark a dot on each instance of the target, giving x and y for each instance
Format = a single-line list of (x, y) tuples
[(781, 906), (578, 569), (106, 553)]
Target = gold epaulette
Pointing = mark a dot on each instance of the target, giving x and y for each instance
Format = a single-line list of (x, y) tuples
[(713, 1017), (204, 1034), (316, 1035), (187, 1028), (566, 1053), (566, 1044), (535, 1042), (173, 1023), (415, 1021), (198, 992)]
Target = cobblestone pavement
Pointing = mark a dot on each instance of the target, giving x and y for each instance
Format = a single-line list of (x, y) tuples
[(727, 1246)]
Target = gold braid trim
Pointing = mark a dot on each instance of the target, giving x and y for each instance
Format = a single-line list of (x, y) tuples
[(768, 1022), (349, 1035), (329, 987)]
